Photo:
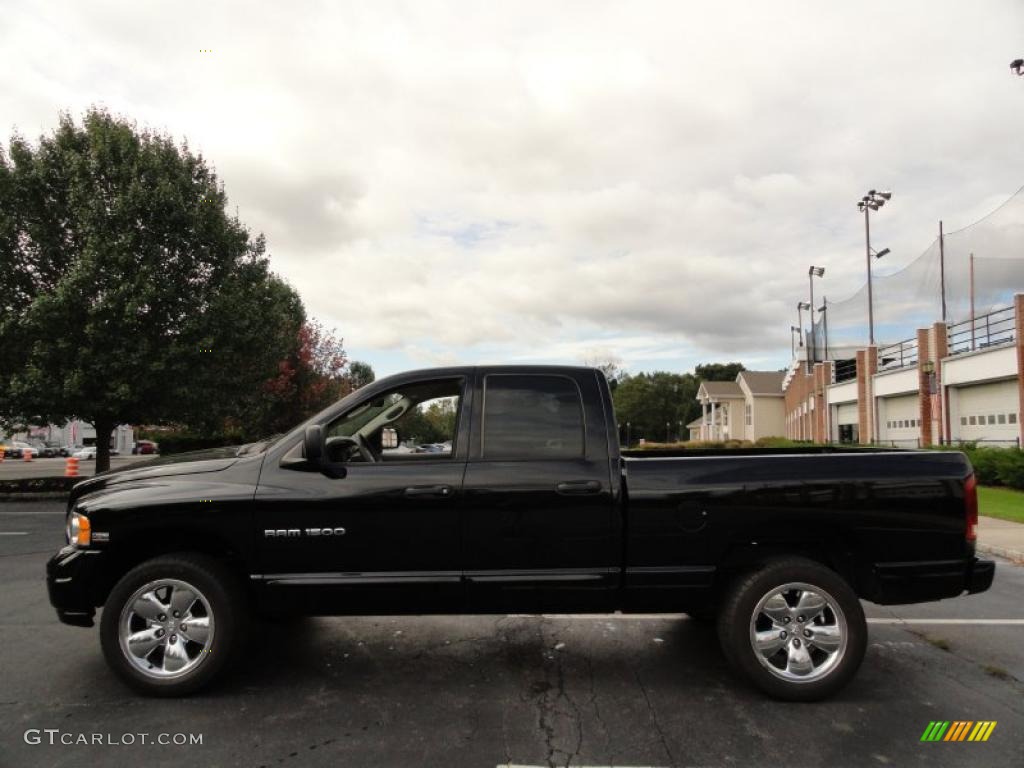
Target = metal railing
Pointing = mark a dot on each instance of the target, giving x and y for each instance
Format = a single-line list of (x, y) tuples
[(991, 330), (845, 370), (902, 354)]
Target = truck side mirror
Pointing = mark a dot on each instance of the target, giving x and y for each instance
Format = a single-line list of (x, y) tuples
[(313, 444)]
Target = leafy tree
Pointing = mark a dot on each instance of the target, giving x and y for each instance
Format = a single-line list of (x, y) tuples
[(360, 374), (608, 363), (129, 294), (649, 401), (430, 422), (309, 379), (718, 371)]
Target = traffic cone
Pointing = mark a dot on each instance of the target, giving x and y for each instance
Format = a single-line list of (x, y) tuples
[(1, 455), (71, 467), (26, 455)]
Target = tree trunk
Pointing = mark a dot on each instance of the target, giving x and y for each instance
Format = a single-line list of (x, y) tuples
[(104, 426)]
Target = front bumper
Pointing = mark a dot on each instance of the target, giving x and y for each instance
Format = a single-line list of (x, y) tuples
[(71, 578), (901, 583)]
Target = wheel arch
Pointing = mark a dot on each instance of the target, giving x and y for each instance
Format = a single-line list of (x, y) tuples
[(148, 544)]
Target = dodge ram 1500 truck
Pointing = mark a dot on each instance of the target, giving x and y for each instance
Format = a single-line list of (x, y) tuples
[(504, 490)]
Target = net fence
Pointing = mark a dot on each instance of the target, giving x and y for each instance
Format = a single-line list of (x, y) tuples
[(991, 248)]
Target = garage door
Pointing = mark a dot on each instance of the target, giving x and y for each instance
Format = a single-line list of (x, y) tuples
[(846, 413), (987, 411), (899, 420)]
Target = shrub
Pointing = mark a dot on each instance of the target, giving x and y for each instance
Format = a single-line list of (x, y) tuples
[(986, 462), (1010, 468), (780, 442)]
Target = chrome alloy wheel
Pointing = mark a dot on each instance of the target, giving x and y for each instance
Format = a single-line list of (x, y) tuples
[(166, 628), (798, 632)]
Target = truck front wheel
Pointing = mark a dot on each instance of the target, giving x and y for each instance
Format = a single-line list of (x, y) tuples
[(171, 624), (795, 629)]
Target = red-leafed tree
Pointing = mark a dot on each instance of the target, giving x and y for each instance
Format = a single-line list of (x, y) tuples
[(309, 379)]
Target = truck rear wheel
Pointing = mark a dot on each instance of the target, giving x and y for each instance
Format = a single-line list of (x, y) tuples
[(171, 624), (795, 629)]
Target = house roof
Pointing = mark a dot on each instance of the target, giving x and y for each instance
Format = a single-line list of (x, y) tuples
[(763, 382), (695, 423), (721, 389)]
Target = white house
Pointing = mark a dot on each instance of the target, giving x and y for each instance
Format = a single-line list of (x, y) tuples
[(749, 408)]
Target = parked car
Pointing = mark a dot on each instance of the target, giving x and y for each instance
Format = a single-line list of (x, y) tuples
[(48, 450), (535, 509), (89, 452), (24, 448), (10, 450), (145, 447)]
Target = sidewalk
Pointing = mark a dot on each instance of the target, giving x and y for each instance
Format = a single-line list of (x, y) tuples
[(1001, 537)]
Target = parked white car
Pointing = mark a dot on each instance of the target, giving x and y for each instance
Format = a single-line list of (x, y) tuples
[(89, 452), (26, 448)]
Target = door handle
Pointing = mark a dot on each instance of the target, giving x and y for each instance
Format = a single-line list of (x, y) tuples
[(429, 490), (578, 488)]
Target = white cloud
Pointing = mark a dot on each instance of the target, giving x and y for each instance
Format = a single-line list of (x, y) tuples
[(460, 181)]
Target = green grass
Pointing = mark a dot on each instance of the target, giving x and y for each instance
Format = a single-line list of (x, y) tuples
[(1003, 503)]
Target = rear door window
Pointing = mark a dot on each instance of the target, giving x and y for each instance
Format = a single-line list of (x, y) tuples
[(532, 416)]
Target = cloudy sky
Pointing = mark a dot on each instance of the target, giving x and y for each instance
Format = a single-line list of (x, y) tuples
[(498, 181)]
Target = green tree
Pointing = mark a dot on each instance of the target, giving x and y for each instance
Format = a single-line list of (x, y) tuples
[(430, 422), (129, 294), (718, 371), (360, 374), (650, 401)]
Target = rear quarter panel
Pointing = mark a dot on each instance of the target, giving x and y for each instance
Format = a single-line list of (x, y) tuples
[(855, 510)]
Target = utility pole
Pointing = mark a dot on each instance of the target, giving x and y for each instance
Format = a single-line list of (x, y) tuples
[(942, 269), (811, 274), (872, 201)]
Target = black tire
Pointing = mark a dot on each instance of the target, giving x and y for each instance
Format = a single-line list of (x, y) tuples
[(736, 630), (220, 590)]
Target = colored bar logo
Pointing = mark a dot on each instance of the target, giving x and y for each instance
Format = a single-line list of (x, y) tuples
[(958, 730)]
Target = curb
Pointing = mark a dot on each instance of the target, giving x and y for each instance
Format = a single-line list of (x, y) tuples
[(1010, 554)]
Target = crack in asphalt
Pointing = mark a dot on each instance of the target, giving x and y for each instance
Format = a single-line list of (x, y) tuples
[(596, 708), (654, 718), (547, 706), (1012, 681)]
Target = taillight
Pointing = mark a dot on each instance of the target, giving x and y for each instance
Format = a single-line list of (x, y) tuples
[(971, 508)]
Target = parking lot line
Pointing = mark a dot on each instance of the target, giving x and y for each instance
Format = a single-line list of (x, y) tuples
[(674, 616), (14, 533), (990, 622)]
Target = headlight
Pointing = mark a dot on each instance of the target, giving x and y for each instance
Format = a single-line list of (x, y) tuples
[(78, 530)]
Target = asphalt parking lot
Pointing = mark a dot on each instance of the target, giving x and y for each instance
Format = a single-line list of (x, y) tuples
[(493, 691)]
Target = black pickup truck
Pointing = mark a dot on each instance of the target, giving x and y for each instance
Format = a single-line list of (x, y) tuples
[(503, 489)]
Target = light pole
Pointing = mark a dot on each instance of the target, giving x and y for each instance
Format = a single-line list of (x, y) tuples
[(794, 330), (800, 307), (872, 201), (812, 273), (824, 321)]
